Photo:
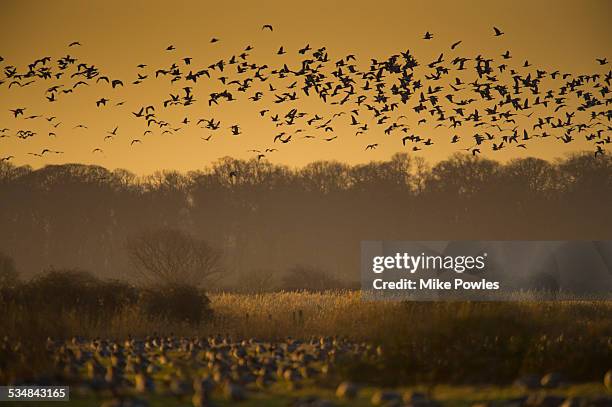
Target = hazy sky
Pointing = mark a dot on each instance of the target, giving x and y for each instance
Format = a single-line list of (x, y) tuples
[(118, 35)]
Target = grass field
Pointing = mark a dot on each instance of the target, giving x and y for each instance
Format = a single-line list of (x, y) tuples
[(457, 353)]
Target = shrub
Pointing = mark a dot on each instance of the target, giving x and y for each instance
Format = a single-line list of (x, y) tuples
[(175, 302), (61, 290), (113, 296), (77, 291)]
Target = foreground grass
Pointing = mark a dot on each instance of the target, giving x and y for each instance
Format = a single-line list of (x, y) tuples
[(429, 343)]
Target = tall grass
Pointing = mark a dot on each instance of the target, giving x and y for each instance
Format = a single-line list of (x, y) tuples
[(418, 341), (302, 314)]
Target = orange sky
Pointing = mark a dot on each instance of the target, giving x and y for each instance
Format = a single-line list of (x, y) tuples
[(115, 36)]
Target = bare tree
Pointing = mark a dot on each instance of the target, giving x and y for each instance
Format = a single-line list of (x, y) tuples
[(171, 256)]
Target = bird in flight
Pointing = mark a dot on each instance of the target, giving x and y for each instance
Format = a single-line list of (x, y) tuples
[(371, 97), (102, 102), (18, 111)]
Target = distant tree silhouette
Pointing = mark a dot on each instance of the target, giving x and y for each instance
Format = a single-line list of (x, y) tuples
[(267, 216), (301, 277), (258, 281)]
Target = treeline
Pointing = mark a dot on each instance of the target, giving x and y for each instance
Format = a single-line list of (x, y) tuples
[(266, 218)]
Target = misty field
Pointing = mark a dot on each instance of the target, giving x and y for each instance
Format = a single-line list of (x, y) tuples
[(296, 348)]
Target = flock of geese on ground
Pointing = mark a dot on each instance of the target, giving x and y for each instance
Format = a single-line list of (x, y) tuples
[(199, 371), (482, 102)]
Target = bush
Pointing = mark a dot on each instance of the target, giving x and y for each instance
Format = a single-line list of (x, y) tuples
[(113, 296), (176, 302), (66, 290), (61, 290)]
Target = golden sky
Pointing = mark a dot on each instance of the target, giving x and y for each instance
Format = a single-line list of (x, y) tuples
[(118, 35)]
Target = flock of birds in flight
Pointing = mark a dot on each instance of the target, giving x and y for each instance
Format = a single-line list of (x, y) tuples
[(499, 106)]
